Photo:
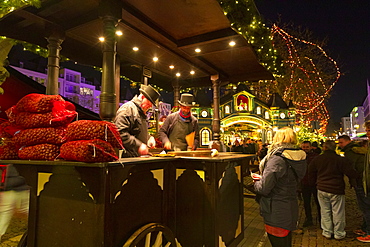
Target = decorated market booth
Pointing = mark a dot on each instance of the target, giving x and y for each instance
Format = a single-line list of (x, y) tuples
[(242, 114), (106, 201)]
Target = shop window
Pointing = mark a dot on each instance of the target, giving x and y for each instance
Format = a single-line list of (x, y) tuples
[(258, 110), (205, 137), (227, 109)]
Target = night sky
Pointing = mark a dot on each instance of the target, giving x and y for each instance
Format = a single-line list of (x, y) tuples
[(345, 24)]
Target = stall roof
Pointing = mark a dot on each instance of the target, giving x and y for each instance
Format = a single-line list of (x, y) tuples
[(169, 30)]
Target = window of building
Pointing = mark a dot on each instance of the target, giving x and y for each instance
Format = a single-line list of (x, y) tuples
[(227, 109), (258, 110), (205, 136), (267, 115)]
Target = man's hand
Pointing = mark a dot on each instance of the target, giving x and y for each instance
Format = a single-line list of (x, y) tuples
[(143, 149), (167, 145)]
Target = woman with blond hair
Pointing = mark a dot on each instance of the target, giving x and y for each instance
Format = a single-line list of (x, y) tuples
[(281, 170)]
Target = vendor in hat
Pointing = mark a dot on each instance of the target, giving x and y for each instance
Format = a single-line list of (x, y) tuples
[(132, 123), (180, 129)]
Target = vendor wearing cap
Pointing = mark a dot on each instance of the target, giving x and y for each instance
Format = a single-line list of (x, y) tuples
[(179, 125), (132, 123)]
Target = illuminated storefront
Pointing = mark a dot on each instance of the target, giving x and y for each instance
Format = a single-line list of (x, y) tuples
[(242, 115)]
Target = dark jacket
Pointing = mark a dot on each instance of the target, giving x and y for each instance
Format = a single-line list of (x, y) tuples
[(13, 181), (132, 125), (329, 169), (308, 181), (169, 123), (356, 155), (366, 174), (278, 187)]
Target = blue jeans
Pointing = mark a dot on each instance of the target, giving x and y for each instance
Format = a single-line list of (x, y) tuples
[(364, 205), (333, 215)]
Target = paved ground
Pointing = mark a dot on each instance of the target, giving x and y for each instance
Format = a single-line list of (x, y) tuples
[(309, 236), (254, 229), (17, 227)]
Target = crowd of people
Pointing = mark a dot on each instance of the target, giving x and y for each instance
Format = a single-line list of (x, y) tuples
[(291, 169)]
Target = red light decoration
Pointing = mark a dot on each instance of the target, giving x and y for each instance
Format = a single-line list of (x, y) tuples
[(311, 75)]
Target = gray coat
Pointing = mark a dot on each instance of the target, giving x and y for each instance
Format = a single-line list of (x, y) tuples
[(132, 125), (278, 188), (169, 123)]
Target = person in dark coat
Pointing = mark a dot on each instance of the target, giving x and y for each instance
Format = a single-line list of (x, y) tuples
[(281, 171), (365, 183), (132, 123), (308, 187), (180, 124), (14, 196), (356, 154), (329, 169)]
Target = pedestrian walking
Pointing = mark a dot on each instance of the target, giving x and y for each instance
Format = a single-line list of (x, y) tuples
[(308, 187), (329, 169), (14, 196), (281, 171), (356, 154), (363, 191)]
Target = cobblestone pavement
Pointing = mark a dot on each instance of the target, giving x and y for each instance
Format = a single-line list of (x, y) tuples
[(305, 236), (14, 233)]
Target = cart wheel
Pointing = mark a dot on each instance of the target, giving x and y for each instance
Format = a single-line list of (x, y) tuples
[(162, 236), (23, 241)]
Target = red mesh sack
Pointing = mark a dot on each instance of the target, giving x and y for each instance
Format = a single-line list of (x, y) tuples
[(29, 120), (7, 129), (29, 137), (8, 150), (91, 129), (88, 151), (37, 103), (39, 152)]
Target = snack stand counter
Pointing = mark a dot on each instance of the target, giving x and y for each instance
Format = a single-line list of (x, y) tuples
[(199, 200)]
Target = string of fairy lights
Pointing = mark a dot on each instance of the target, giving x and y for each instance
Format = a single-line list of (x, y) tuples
[(307, 86)]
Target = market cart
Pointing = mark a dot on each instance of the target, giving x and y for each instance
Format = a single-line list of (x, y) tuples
[(174, 201)]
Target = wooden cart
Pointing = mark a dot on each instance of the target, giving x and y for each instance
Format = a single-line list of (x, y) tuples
[(159, 201)]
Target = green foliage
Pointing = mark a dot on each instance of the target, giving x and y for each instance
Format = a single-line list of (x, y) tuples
[(245, 19), (305, 134)]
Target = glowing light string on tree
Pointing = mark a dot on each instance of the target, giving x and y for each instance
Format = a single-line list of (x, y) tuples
[(306, 87)]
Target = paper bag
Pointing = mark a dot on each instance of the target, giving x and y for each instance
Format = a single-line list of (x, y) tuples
[(190, 139)]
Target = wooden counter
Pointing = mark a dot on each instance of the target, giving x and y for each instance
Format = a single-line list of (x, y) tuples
[(101, 204)]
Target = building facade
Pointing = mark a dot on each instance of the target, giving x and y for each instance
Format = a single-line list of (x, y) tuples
[(71, 85), (242, 116)]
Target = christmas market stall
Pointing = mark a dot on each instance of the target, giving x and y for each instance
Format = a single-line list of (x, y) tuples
[(82, 193)]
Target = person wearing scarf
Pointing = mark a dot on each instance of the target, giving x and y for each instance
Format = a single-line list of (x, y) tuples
[(281, 171), (180, 124)]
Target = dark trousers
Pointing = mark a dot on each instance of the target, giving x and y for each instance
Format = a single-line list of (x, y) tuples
[(307, 192), (280, 242), (364, 205)]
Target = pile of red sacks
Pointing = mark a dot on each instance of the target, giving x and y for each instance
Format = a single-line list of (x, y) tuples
[(91, 141), (40, 128), (42, 120)]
